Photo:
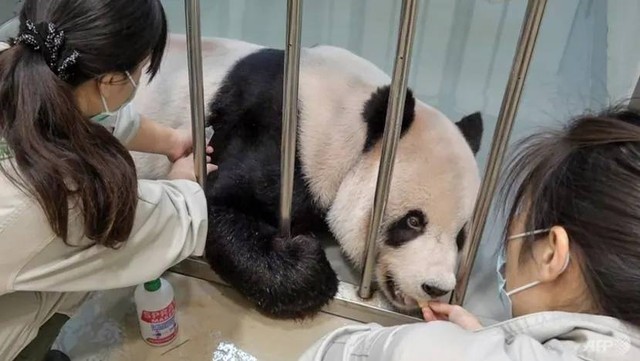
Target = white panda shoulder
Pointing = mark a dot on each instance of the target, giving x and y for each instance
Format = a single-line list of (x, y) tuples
[(342, 61), (335, 84), (166, 98)]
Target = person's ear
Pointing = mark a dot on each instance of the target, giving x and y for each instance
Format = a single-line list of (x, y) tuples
[(109, 83), (552, 254)]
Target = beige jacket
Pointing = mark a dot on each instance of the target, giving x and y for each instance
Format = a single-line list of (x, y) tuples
[(545, 336), (40, 275)]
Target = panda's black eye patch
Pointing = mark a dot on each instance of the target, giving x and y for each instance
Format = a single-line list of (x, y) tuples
[(407, 228)]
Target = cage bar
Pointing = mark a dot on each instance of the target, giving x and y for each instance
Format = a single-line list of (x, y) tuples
[(510, 102), (289, 113), (390, 137), (196, 88)]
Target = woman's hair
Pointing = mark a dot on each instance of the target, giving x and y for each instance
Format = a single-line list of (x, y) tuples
[(62, 157), (586, 178)]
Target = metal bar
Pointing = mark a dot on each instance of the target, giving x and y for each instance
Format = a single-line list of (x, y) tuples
[(289, 113), (526, 43), (634, 103), (393, 124), (196, 89)]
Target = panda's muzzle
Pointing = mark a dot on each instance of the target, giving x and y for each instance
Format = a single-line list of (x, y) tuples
[(394, 291)]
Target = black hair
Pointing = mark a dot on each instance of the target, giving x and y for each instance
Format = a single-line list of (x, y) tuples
[(585, 177), (61, 156)]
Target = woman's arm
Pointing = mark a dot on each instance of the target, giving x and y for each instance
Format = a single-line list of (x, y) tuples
[(436, 340), (141, 134), (153, 137), (170, 225)]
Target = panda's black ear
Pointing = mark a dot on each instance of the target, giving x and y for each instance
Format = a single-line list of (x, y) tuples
[(472, 128), (375, 114)]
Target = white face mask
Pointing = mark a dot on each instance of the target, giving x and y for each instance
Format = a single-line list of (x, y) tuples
[(505, 297), (108, 118)]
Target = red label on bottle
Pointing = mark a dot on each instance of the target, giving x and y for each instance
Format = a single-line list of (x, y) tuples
[(160, 315)]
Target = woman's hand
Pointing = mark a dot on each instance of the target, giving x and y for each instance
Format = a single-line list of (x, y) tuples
[(183, 168), (433, 311), (182, 144)]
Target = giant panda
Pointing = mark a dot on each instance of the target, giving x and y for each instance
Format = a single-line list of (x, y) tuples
[(342, 108)]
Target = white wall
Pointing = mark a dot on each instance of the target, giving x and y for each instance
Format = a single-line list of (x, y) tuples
[(623, 68)]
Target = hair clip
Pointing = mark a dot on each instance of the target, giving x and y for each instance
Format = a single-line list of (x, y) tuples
[(46, 39)]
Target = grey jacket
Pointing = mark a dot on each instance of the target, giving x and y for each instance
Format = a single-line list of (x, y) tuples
[(545, 336)]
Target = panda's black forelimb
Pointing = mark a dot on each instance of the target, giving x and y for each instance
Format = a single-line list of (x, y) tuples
[(283, 278)]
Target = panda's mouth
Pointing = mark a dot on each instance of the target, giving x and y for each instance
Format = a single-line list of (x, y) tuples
[(396, 294)]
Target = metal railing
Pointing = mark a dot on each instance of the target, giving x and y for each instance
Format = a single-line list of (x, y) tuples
[(196, 87), (390, 137), (510, 101), (513, 91), (289, 113)]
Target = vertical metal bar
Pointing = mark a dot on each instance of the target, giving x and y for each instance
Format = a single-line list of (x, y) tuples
[(289, 113), (393, 124), (634, 103), (196, 90), (522, 59)]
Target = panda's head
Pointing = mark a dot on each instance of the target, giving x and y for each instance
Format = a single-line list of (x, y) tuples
[(432, 195)]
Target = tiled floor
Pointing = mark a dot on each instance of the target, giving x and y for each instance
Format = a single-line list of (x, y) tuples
[(210, 317)]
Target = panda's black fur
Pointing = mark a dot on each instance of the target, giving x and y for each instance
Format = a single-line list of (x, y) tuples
[(283, 278)]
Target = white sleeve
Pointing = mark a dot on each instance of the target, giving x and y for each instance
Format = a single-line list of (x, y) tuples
[(127, 124), (170, 225), (437, 340)]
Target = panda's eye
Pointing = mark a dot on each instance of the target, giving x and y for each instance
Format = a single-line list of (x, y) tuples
[(413, 222)]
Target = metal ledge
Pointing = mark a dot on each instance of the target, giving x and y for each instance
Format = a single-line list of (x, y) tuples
[(346, 304)]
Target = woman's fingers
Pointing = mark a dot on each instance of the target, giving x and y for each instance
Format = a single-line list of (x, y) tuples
[(431, 314), (455, 314), (211, 168), (428, 315), (442, 308)]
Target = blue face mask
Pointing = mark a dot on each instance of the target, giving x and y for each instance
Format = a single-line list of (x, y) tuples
[(107, 118), (503, 295)]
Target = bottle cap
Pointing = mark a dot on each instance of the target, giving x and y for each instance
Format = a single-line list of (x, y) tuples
[(152, 286)]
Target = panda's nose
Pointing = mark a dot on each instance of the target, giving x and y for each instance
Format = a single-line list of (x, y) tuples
[(433, 291)]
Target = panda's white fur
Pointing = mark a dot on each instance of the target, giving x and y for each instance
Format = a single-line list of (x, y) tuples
[(434, 171), (447, 188), (166, 99)]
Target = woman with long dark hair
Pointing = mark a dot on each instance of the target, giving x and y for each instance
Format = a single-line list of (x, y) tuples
[(569, 269), (73, 216)]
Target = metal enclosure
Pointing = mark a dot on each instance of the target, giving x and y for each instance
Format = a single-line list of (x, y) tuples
[(360, 302)]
